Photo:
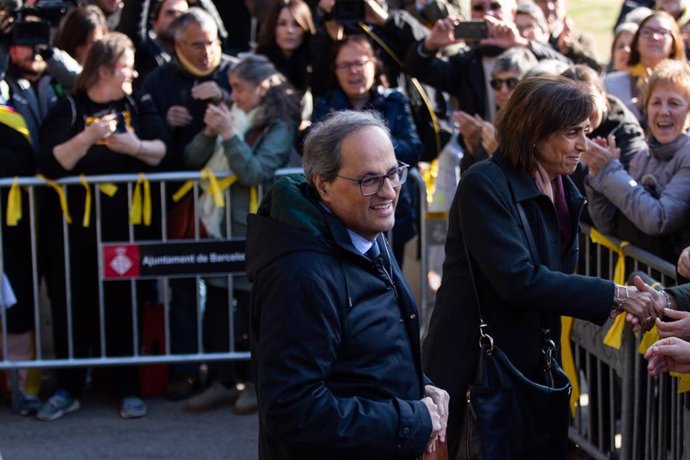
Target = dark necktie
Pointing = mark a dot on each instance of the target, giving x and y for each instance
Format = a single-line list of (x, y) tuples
[(374, 253)]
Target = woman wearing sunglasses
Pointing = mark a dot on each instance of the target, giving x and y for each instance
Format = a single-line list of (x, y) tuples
[(479, 135)]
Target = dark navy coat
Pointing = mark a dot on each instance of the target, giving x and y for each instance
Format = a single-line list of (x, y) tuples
[(335, 344), (517, 296)]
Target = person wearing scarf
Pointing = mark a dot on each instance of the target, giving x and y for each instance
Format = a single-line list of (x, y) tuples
[(522, 288)]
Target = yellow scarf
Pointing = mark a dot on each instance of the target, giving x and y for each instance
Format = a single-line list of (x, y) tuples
[(194, 70)]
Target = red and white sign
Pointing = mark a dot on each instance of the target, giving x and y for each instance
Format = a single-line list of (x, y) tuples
[(121, 261)]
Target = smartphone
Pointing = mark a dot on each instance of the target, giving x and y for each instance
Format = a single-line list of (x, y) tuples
[(471, 30), (349, 10), (121, 123)]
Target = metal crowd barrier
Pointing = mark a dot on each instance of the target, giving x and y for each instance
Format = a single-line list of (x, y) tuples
[(623, 413), (113, 256)]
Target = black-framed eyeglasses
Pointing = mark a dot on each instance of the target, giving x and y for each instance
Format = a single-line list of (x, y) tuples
[(480, 7), (497, 83), (371, 185)]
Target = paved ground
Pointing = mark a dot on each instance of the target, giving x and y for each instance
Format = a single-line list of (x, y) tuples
[(98, 432)]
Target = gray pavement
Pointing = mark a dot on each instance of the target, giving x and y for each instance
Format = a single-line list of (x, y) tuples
[(97, 432)]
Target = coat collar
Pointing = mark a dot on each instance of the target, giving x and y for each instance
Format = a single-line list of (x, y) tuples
[(523, 185)]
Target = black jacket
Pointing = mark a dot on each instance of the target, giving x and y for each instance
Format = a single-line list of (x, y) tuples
[(335, 344), (517, 295)]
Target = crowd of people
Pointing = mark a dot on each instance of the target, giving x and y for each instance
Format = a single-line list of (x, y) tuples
[(179, 85)]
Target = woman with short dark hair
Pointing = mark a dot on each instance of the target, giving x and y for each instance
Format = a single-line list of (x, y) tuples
[(524, 279)]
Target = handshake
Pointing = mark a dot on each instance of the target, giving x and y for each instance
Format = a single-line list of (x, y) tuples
[(642, 304)]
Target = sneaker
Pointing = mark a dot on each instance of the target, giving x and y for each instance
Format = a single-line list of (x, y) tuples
[(29, 404), (132, 407), (214, 396), (61, 403), (246, 403)]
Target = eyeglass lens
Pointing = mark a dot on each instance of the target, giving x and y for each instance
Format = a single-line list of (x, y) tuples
[(372, 185)]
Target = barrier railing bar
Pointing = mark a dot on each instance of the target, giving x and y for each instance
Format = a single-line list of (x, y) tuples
[(126, 360), (34, 273), (101, 287), (68, 283)]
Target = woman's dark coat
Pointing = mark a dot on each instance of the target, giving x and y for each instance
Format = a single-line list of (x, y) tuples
[(516, 294)]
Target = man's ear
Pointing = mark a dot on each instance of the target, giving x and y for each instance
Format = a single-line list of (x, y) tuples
[(322, 187)]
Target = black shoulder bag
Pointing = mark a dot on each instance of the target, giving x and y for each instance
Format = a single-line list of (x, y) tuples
[(510, 416)]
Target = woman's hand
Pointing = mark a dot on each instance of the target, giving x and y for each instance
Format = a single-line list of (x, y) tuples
[(101, 128), (178, 116), (218, 119), (489, 141), (669, 354), (127, 143), (599, 152)]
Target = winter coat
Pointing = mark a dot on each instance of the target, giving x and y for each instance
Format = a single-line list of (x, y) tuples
[(518, 295), (653, 195), (334, 338)]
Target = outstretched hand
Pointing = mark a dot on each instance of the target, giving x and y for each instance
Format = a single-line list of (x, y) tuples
[(669, 354)]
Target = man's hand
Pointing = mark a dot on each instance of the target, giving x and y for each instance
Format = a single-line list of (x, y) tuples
[(441, 398), (684, 263), (178, 116), (208, 91), (435, 415), (669, 354), (442, 34), (503, 34)]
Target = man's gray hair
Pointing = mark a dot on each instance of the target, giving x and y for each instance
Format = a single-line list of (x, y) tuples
[(322, 147), (194, 15)]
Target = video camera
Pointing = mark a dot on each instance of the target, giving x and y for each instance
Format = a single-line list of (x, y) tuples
[(33, 32)]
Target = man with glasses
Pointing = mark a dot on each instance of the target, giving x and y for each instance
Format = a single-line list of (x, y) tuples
[(181, 90), (334, 327)]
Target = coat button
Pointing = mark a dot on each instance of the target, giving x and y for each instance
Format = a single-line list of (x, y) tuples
[(413, 316), (406, 431)]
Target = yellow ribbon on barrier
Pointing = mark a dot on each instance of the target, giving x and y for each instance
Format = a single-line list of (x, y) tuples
[(61, 196), (108, 188), (648, 339), (227, 182), (253, 200), (683, 381), (86, 220), (138, 210), (429, 178), (183, 190), (614, 336), (569, 362), (213, 187), (14, 204)]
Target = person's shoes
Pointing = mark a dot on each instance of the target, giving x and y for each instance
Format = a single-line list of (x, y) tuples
[(29, 404), (246, 403), (214, 396), (61, 403), (180, 388), (132, 407)]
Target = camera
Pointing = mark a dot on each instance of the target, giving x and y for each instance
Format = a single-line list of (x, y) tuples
[(471, 30), (349, 10), (36, 31)]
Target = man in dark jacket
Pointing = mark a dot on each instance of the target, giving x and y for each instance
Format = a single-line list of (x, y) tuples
[(334, 327)]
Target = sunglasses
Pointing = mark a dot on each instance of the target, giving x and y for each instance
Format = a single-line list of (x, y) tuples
[(497, 83), (481, 7)]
